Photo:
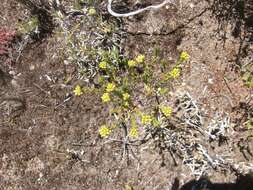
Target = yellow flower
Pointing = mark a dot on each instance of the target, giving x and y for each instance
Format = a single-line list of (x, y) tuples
[(184, 56), (166, 110), (133, 132), (110, 87), (146, 119), (92, 11), (78, 90), (102, 65), (106, 97), (126, 96), (174, 73), (131, 63), (126, 104), (104, 131), (140, 58)]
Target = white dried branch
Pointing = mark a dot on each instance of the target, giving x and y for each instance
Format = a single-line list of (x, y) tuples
[(151, 7)]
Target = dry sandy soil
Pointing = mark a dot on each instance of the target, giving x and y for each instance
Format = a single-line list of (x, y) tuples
[(49, 139)]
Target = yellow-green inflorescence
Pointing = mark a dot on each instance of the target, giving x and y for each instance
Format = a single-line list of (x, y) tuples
[(106, 97), (126, 96), (78, 90), (92, 11), (103, 65), (166, 110), (110, 87), (140, 58), (131, 63), (175, 73), (104, 131), (146, 119), (184, 56), (133, 132)]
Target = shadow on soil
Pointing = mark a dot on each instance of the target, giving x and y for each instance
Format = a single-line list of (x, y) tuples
[(242, 183), (239, 14)]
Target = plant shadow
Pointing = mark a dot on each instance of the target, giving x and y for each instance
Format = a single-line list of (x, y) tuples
[(239, 15), (243, 182)]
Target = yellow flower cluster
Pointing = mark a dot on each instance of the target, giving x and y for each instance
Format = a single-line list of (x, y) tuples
[(78, 90), (104, 131), (126, 96), (133, 132), (110, 87), (106, 97), (131, 63), (184, 56), (92, 11), (175, 72), (146, 119), (140, 58), (166, 110), (126, 104), (103, 65)]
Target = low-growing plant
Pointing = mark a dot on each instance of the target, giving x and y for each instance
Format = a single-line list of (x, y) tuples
[(126, 80), (83, 40), (248, 79), (40, 23), (138, 99), (29, 26)]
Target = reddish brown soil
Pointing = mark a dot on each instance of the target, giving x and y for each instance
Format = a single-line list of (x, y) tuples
[(39, 130)]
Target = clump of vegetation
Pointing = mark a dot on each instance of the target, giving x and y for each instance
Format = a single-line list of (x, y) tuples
[(40, 12), (247, 75), (29, 26), (120, 79), (83, 37)]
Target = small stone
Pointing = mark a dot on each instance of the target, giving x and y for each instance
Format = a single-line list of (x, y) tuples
[(12, 73), (14, 83), (32, 67), (210, 81), (66, 62)]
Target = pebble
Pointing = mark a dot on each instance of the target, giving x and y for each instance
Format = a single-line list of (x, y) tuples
[(191, 5), (12, 72), (32, 67), (14, 83)]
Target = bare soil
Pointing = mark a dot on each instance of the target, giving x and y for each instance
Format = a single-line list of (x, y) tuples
[(49, 138)]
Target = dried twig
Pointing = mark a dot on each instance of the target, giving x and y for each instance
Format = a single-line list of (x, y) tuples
[(152, 7)]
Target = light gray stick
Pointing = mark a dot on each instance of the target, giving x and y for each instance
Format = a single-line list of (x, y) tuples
[(154, 7)]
